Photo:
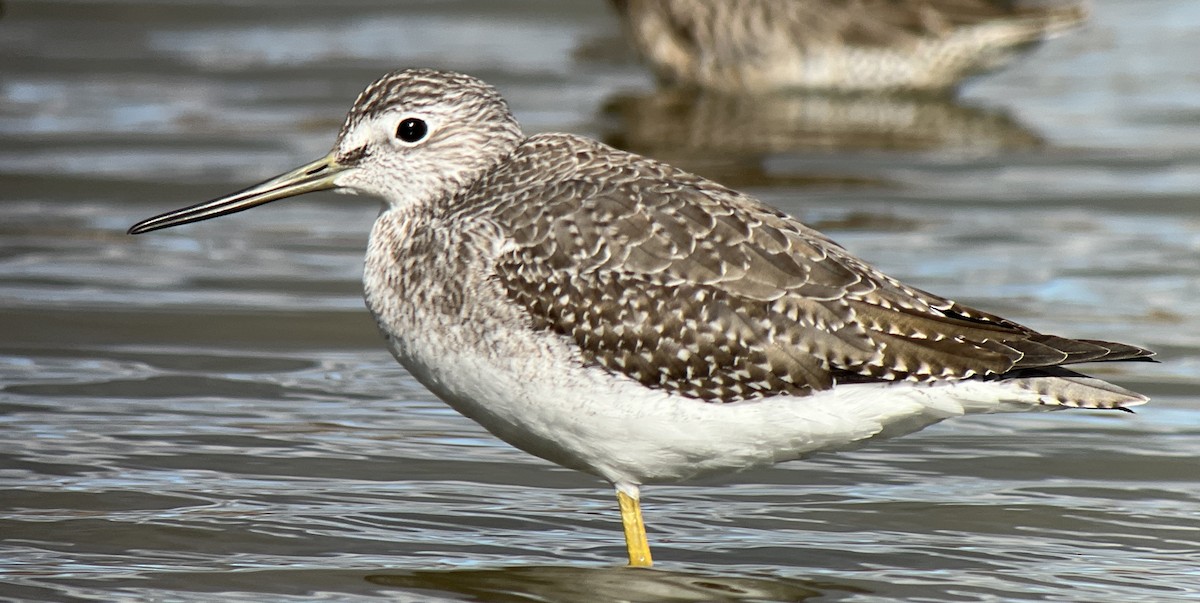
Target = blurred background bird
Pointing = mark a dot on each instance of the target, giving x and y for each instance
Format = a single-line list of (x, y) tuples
[(753, 46)]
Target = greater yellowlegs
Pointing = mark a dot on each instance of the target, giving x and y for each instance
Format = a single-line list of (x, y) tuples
[(618, 316), (836, 45)]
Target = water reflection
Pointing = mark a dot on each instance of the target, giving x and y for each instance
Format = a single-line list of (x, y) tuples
[(634, 585), (722, 135)]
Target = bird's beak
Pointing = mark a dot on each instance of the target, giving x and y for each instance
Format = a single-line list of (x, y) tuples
[(316, 176)]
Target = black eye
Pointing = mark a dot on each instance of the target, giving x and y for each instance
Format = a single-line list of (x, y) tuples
[(411, 130)]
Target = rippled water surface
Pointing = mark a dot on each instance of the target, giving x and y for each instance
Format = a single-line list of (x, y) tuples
[(207, 413)]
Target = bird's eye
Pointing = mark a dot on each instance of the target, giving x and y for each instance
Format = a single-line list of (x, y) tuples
[(411, 129)]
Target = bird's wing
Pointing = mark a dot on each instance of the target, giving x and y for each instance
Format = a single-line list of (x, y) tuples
[(819, 23), (691, 287), (890, 23)]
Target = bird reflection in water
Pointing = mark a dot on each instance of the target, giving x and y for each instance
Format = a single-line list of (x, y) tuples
[(728, 137), (635, 585), (745, 79)]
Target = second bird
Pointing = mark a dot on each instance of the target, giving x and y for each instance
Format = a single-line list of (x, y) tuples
[(754, 46)]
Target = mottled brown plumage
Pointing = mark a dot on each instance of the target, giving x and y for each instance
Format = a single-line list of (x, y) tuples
[(842, 45), (692, 287)]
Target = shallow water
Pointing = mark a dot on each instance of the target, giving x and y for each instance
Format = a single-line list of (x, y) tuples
[(207, 413)]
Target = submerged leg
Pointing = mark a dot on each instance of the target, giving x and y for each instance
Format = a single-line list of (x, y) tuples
[(635, 530)]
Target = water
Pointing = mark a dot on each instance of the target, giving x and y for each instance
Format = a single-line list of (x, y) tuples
[(207, 413)]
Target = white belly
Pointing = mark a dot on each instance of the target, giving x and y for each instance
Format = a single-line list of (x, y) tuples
[(527, 389), (456, 332)]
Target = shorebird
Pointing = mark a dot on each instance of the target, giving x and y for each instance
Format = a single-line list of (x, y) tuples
[(743, 46), (615, 315)]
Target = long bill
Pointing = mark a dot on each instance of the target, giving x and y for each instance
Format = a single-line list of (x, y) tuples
[(316, 176)]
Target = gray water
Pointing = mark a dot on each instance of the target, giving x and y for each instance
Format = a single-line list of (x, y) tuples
[(207, 413)]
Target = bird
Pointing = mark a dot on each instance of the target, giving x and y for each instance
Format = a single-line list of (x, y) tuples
[(618, 316), (841, 46)]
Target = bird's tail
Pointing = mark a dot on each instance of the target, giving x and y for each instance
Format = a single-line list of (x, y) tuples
[(1000, 41), (1059, 17), (1057, 386)]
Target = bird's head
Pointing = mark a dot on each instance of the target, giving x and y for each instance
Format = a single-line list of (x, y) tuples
[(413, 136)]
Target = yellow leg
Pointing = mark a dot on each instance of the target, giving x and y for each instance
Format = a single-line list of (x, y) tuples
[(635, 531)]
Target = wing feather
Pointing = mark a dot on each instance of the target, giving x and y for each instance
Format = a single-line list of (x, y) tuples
[(691, 287)]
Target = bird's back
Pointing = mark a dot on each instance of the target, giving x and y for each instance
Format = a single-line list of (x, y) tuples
[(692, 288), (860, 45)]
